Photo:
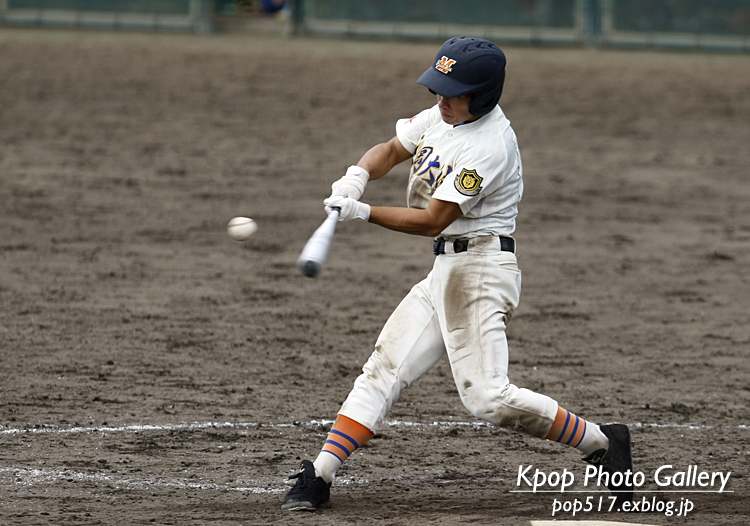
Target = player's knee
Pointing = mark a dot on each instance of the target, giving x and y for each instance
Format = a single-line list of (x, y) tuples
[(380, 372), (482, 403), (492, 405), (478, 408), (511, 408)]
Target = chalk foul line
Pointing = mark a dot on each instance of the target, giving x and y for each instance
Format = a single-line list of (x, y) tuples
[(35, 476), (197, 426)]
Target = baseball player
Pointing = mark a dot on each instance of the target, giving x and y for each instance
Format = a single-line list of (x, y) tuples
[(464, 188)]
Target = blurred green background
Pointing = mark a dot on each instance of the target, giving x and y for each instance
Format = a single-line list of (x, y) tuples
[(695, 24)]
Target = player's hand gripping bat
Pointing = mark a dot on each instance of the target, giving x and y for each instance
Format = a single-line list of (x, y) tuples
[(316, 249)]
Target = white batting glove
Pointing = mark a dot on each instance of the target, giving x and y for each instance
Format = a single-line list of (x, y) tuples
[(352, 184), (349, 208)]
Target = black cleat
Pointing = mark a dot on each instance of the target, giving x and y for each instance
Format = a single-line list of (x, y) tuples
[(309, 492), (617, 459)]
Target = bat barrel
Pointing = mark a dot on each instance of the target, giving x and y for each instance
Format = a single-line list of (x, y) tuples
[(316, 249)]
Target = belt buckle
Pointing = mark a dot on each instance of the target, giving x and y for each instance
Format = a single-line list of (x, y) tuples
[(460, 245)]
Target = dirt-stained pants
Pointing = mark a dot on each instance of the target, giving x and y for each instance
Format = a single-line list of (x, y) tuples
[(461, 308)]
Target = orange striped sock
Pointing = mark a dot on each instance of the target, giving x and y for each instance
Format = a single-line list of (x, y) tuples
[(345, 437), (567, 428)]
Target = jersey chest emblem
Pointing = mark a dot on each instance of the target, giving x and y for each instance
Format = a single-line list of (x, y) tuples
[(468, 182), (428, 167)]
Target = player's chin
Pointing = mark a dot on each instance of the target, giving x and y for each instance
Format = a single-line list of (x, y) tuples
[(448, 119)]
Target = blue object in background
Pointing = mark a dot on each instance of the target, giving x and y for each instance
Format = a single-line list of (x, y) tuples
[(272, 6)]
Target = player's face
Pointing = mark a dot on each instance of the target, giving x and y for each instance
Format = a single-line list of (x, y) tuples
[(455, 110)]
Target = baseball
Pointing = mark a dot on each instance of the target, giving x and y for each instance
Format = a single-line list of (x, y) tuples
[(241, 228)]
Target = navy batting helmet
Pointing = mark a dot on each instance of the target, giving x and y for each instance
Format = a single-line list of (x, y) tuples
[(468, 66)]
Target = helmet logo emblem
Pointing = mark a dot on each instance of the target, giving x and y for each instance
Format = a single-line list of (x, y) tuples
[(444, 65)]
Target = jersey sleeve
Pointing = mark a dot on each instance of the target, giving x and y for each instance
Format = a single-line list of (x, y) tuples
[(409, 131), (477, 173)]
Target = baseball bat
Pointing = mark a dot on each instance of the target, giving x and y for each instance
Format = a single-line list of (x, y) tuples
[(316, 249)]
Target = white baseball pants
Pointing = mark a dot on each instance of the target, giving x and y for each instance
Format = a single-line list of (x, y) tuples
[(461, 308)]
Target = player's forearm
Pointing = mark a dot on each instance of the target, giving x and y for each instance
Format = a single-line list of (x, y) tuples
[(429, 222), (407, 220), (381, 158)]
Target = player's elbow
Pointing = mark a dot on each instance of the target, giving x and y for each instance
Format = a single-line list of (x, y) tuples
[(432, 230), (439, 215), (429, 225), (437, 222)]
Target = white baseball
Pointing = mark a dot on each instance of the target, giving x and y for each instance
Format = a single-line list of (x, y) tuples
[(241, 228)]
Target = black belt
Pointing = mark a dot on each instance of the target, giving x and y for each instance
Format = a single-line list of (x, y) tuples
[(507, 244)]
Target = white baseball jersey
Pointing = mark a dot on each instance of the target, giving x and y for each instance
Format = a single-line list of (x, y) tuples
[(476, 165), (462, 307)]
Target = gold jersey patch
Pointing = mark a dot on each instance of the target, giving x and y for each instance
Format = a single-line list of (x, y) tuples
[(468, 182)]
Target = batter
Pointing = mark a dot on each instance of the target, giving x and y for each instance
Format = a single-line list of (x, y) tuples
[(465, 183)]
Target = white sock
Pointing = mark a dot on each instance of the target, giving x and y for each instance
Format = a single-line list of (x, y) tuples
[(326, 466), (593, 439)]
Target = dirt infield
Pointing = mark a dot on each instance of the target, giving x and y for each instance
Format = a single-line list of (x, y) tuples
[(155, 371)]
